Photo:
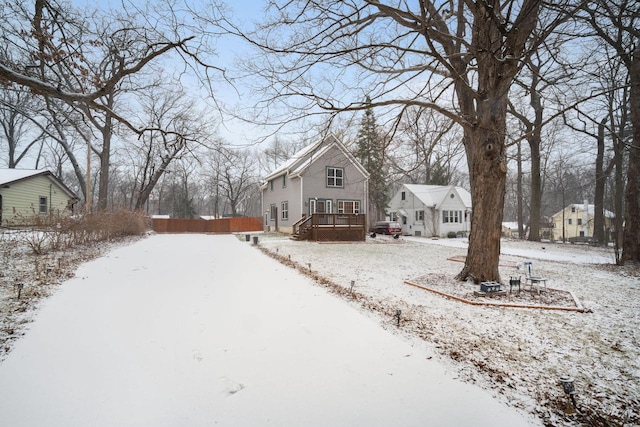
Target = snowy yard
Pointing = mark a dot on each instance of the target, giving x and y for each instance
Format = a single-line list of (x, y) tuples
[(200, 330), (147, 313), (519, 354)]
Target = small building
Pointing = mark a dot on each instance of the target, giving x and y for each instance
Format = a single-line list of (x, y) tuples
[(28, 195), (575, 223), (431, 210), (510, 230), (323, 180)]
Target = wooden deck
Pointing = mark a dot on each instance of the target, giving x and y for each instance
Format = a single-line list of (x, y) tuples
[(331, 227)]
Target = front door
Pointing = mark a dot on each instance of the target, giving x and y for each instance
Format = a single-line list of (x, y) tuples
[(319, 206)]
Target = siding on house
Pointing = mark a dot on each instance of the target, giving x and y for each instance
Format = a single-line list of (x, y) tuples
[(421, 210), (576, 223), (306, 183), (21, 200)]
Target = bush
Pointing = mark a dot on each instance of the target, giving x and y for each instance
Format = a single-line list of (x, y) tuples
[(62, 233), (451, 234)]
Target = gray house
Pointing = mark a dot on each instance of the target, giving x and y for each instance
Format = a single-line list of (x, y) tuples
[(322, 178), (26, 194), (431, 210)]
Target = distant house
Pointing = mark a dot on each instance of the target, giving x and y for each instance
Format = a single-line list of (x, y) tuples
[(431, 210), (28, 193), (322, 178), (510, 229), (576, 223)]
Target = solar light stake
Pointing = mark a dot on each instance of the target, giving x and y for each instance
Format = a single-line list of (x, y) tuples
[(309, 264), (569, 388), (19, 286), (398, 314), (353, 282)]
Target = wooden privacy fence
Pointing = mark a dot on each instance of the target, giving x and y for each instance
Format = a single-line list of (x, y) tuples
[(223, 225)]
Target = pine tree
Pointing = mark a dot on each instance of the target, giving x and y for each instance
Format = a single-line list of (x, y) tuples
[(370, 152)]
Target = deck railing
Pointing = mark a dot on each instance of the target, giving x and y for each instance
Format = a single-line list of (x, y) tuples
[(331, 227)]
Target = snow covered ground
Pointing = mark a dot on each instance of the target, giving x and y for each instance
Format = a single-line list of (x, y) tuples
[(201, 330), (220, 332), (519, 354)]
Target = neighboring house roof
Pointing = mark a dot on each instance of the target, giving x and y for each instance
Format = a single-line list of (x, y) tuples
[(301, 160), (590, 210), (12, 176), (510, 225), (434, 195)]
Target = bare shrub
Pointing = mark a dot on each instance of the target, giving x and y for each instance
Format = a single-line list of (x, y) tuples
[(46, 234)]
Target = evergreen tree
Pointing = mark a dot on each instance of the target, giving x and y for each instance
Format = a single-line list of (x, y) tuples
[(371, 154)]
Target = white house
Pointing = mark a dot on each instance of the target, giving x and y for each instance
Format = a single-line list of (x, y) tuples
[(431, 210)]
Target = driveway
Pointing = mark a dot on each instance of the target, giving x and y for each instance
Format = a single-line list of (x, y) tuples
[(204, 330)]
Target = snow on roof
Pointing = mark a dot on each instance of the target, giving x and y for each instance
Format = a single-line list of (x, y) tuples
[(433, 195), (8, 176), (510, 225), (301, 154), (11, 175), (303, 158), (590, 210)]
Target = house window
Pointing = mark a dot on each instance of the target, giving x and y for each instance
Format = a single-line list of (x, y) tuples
[(335, 177), (579, 221), (284, 181), (348, 206), (569, 221), (573, 209), (582, 234), (271, 185), (419, 215), (403, 196), (284, 209), (43, 205), (273, 212), (452, 216)]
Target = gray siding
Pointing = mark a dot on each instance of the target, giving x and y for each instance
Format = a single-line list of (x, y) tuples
[(315, 180)]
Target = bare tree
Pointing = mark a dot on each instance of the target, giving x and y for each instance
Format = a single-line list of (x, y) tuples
[(237, 178), (457, 58), (181, 129), (60, 54), (17, 117), (617, 24), (430, 148)]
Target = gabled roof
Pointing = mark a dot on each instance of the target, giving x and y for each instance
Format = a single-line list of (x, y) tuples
[(590, 210), (301, 160), (12, 176), (434, 195)]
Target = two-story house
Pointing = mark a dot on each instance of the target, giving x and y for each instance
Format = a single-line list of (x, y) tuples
[(575, 222), (322, 178)]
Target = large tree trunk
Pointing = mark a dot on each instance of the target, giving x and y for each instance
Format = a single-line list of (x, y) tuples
[(536, 187), (631, 242), (535, 140), (485, 149)]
